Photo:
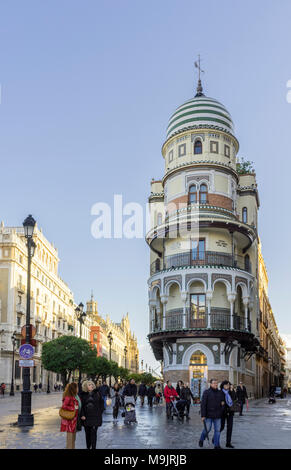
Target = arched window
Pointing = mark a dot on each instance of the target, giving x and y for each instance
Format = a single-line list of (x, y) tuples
[(203, 193), (245, 215), (192, 196), (197, 147)]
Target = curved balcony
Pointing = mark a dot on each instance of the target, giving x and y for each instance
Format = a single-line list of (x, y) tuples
[(209, 258), (219, 319)]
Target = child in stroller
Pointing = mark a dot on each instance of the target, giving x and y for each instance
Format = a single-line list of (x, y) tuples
[(129, 410)]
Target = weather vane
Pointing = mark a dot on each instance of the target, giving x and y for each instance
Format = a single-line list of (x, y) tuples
[(199, 86)]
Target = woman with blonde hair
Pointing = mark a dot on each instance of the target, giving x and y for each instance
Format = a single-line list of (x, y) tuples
[(91, 412), (69, 419)]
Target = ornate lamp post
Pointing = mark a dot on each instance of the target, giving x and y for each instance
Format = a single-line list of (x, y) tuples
[(81, 315), (125, 354), (13, 339), (141, 362), (48, 390), (110, 339), (136, 363), (26, 418)]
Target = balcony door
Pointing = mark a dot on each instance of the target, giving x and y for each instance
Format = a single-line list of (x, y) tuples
[(197, 311), (198, 251)]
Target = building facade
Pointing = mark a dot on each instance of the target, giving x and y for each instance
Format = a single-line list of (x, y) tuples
[(270, 357), (52, 302), (203, 285), (122, 338)]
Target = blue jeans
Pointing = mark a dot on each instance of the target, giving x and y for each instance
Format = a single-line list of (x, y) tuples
[(217, 424)]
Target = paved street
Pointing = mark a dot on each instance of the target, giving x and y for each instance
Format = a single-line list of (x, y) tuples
[(262, 426)]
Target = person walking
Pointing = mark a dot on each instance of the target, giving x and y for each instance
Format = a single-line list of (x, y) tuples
[(35, 388), (228, 413), (179, 385), (242, 396), (170, 394), (186, 394), (116, 401), (158, 392), (130, 390), (40, 386), (91, 411), (151, 394), (142, 391), (3, 387), (212, 404), (70, 403), (105, 392)]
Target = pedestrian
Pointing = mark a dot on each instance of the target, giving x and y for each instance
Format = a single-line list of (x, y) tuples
[(39, 386), (212, 405), (3, 387), (179, 385), (55, 387), (105, 392), (70, 404), (35, 387), (158, 392), (242, 396), (116, 401), (142, 391), (228, 413), (186, 394), (130, 390), (91, 412), (151, 393), (170, 394)]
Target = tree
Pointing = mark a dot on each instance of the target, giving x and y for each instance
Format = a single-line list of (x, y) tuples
[(66, 354), (244, 166)]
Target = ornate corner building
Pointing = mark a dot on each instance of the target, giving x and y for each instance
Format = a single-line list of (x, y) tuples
[(203, 285)]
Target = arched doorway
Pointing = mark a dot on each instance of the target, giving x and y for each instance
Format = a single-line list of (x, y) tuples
[(198, 374)]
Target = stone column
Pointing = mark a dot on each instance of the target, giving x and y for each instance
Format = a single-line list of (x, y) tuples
[(231, 299), (184, 296), (164, 300), (246, 302), (152, 304), (209, 295)]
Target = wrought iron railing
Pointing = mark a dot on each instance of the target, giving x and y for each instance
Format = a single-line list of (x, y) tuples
[(213, 258), (176, 319)]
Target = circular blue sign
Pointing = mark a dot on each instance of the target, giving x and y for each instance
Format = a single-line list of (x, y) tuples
[(26, 351)]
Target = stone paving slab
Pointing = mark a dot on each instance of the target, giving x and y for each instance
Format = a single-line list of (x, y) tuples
[(262, 426)]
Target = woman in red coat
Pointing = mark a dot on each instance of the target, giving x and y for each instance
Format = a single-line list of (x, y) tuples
[(70, 403)]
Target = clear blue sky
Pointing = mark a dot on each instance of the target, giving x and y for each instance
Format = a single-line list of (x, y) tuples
[(87, 90)]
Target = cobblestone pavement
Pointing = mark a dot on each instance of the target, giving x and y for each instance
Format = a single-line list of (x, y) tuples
[(262, 426)]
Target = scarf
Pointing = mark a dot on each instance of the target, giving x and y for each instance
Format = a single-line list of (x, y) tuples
[(228, 399)]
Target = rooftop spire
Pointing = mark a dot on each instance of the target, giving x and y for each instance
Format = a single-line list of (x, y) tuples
[(199, 88)]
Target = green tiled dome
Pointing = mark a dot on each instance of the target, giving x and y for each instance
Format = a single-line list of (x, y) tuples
[(200, 112)]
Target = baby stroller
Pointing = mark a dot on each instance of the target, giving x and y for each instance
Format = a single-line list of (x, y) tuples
[(177, 409), (272, 399), (129, 410)]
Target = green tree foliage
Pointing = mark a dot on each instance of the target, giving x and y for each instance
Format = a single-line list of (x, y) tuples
[(244, 166), (66, 354)]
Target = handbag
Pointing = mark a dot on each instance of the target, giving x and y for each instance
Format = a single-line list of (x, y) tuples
[(108, 401), (67, 414), (235, 407)]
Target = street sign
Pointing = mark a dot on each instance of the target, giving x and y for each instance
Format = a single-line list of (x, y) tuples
[(32, 331), (26, 351), (26, 363)]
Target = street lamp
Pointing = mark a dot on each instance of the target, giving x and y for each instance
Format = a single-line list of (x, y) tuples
[(26, 418), (13, 339), (110, 339), (81, 315), (141, 363), (125, 353), (48, 390)]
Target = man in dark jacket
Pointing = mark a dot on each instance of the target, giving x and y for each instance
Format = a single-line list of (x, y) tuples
[(186, 394), (151, 393), (130, 390), (142, 391), (105, 392), (212, 404), (241, 393)]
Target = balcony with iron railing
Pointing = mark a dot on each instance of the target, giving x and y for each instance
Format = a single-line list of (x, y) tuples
[(221, 319), (207, 258)]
